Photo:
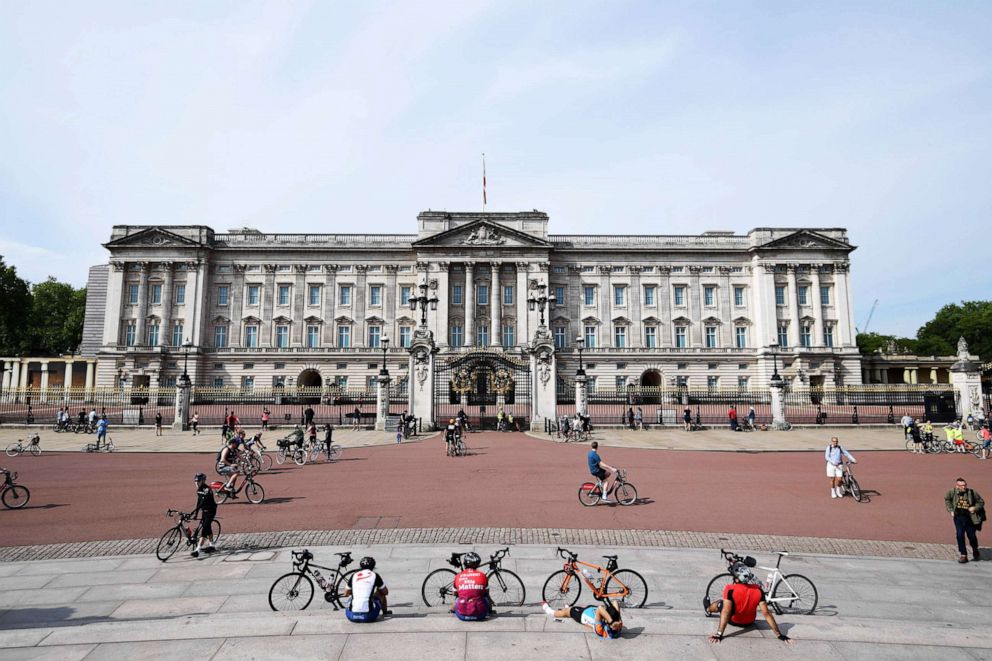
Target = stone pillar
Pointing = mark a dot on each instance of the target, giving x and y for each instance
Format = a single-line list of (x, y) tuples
[(44, 381), (141, 338), (635, 301), (933, 375), (543, 369), (298, 307), (330, 301), (776, 387), (470, 304), (581, 393), (381, 401), (8, 365), (905, 375), (792, 299), (181, 420), (268, 295), (443, 293), (523, 319), (421, 387), (843, 307), (966, 379), (90, 375), (914, 376), (67, 379), (495, 306), (817, 306), (695, 304), (24, 375), (165, 338)]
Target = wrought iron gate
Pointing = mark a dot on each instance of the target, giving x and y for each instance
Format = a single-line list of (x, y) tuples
[(481, 383)]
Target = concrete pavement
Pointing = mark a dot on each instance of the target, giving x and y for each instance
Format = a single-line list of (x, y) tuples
[(216, 608)]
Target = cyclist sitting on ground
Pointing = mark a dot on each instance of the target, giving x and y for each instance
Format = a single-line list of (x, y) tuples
[(604, 620), (740, 604), (206, 507), (368, 594), (599, 470), (835, 471), (472, 590), (227, 464)]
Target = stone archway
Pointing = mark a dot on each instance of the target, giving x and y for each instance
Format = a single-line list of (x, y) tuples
[(651, 381), (308, 386)]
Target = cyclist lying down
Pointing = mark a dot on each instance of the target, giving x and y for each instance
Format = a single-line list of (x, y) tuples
[(740, 604), (604, 620)]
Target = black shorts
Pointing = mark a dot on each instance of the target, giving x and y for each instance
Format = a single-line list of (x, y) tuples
[(206, 520), (601, 474), (575, 612)]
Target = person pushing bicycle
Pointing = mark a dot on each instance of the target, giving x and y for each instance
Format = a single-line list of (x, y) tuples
[(206, 507), (834, 454), (740, 603), (601, 471)]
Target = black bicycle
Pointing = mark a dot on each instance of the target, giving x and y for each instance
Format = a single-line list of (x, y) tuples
[(505, 587), (294, 591), (849, 484), (182, 532), (14, 496)]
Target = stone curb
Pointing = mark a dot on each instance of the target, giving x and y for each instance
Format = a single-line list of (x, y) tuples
[(505, 536)]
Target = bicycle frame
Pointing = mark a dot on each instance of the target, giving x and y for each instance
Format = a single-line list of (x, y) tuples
[(606, 573)]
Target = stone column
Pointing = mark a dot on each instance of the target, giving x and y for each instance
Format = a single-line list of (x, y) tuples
[(817, 306), (24, 374), (605, 300), (470, 304), (141, 338), (523, 319), (776, 387), (44, 381), (726, 292), (167, 295), (966, 379), (581, 393), (359, 305), (268, 294), (90, 376), (793, 301), (443, 293), (181, 420), (843, 307), (236, 298), (389, 298), (67, 379), (634, 304), (381, 401), (116, 305), (914, 376), (495, 306), (695, 307), (933, 375), (298, 306), (421, 389), (7, 367), (330, 301)]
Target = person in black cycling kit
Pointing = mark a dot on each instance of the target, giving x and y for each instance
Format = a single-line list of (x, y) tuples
[(206, 507), (227, 465)]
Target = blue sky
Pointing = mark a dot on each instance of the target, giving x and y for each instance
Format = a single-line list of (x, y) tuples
[(613, 117)]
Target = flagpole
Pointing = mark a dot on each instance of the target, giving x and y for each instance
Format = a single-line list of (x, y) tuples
[(483, 182)]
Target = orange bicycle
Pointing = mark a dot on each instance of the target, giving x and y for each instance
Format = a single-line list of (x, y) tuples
[(564, 586)]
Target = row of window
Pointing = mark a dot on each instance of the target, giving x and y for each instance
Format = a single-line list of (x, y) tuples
[(621, 382), (806, 335), (248, 382), (155, 294), (802, 294)]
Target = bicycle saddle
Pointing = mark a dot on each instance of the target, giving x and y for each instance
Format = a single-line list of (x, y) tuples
[(610, 557), (346, 554), (783, 553)]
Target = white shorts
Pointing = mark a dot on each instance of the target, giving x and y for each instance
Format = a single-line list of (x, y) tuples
[(834, 471)]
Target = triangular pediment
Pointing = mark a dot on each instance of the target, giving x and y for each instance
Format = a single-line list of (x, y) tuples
[(221, 319), (251, 319), (282, 319), (682, 321), (651, 321), (621, 321), (153, 237), (712, 321), (805, 240), (482, 234), (742, 321), (313, 320), (591, 321), (344, 319)]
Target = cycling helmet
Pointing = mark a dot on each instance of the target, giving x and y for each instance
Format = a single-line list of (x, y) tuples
[(742, 572), (198, 477), (471, 560), (367, 563)]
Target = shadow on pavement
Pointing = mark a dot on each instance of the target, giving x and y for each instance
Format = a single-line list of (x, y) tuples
[(49, 506)]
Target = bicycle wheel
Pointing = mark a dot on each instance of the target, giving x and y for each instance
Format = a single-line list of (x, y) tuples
[(561, 589), (36, 450), (254, 493), (13, 450), (798, 595), (300, 457), (220, 496), (854, 488), (506, 588), (110, 447), (15, 497), (715, 588), (910, 445), (336, 595), (281, 456), (439, 588), (626, 493), (336, 451), (636, 592), (266, 461), (589, 496), (168, 544), (215, 530), (291, 592)]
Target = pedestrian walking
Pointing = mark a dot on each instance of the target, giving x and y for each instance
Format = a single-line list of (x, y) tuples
[(639, 418), (101, 431), (967, 508), (194, 423), (356, 419), (158, 423), (687, 418), (308, 416), (732, 415), (265, 418), (630, 418)]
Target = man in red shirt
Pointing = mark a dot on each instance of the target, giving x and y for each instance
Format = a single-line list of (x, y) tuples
[(472, 589), (740, 604)]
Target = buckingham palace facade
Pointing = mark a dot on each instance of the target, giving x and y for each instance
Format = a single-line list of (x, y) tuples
[(268, 310)]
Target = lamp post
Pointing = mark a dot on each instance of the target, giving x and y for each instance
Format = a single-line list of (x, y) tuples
[(776, 377), (384, 342), (186, 347), (423, 301), (539, 301), (580, 343)]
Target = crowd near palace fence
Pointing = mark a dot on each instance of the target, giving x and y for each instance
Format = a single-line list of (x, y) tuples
[(863, 404)]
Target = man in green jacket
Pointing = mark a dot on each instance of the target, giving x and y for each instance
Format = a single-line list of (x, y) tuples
[(967, 508)]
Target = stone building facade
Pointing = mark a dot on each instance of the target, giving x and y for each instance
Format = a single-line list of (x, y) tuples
[(261, 310)]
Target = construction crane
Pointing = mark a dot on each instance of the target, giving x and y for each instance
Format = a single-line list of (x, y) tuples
[(871, 313)]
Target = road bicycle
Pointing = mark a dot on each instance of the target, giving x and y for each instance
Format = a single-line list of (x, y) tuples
[(182, 532), (790, 593), (319, 451), (456, 448), (505, 587), (33, 446), (294, 591), (591, 493), (106, 446), (849, 484), (290, 450), (253, 490), (14, 496), (565, 585), (255, 453)]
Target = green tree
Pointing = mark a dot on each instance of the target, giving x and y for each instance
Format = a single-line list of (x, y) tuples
[(869, 343), (56, 320), (971, 320), (15, 306)]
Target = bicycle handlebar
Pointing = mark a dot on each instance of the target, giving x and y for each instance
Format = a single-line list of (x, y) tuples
[(567, 555)]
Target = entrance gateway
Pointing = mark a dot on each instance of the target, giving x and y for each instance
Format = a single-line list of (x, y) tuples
[(481, 383)]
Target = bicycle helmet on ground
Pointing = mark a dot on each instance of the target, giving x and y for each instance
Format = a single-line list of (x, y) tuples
[(367, 563), (198, 477), (742, 572), (471, 560)]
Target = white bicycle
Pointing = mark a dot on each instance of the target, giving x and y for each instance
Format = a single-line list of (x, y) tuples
[(785, 593)]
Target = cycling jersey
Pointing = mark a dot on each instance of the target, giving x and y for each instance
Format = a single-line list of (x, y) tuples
[(471, 586), (364, 583), (205, 502), (745, 597)]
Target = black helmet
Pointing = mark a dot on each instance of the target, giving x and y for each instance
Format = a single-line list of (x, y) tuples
[(471, 560), (198, 477), (367, 563)]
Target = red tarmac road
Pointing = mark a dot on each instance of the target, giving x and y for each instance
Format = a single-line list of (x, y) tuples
[(510, 480)]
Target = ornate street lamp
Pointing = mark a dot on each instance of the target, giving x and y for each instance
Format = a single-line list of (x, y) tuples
[(423, 301), (579, 342), (187, 345), (776, 377), (540, 300), (384, 342)]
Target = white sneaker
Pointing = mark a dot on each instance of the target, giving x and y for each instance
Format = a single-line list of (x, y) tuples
[(547, 609), (833, 493), (604, 499)]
